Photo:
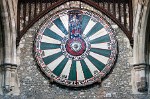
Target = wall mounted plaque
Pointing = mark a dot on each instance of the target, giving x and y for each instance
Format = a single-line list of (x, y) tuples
[(75, 47)]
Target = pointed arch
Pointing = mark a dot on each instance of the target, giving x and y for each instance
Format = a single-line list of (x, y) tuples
[(99, 5)]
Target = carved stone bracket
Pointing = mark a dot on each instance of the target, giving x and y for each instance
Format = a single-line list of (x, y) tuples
[(142, 85), (9, 76), (141, 79)]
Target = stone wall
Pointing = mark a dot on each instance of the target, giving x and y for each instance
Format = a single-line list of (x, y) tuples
[(33, 82), (35, 85)]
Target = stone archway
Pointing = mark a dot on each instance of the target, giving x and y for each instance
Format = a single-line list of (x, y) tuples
[(147, 50), (139, 80), (30, 76), (8, 11)]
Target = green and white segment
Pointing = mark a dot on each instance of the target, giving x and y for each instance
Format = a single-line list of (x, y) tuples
[(61, 66)]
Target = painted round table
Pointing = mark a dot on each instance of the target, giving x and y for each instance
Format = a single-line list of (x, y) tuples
[(75, 47)]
